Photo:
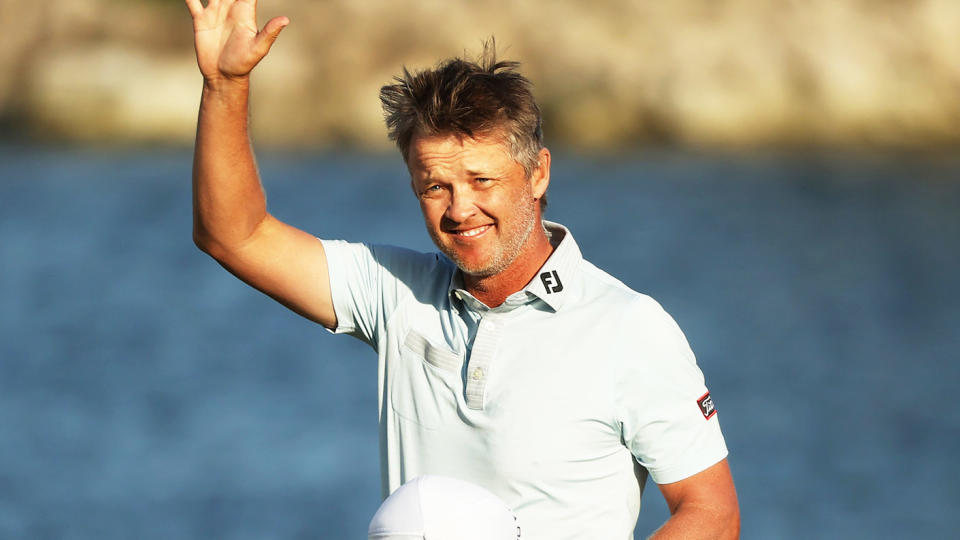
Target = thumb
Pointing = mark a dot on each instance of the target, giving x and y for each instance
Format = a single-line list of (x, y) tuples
[(268, 35)]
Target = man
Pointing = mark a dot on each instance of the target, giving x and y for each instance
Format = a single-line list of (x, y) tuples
[(508, 362)]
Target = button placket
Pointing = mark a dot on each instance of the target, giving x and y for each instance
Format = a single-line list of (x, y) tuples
[(481, 358)]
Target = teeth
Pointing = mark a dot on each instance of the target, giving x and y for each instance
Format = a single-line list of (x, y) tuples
[(473, 232)]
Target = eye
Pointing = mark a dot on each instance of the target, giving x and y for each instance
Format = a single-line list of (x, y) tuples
[(432, 189), (483, 179)]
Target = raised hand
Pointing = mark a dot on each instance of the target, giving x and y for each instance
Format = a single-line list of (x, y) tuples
[(226, 38)]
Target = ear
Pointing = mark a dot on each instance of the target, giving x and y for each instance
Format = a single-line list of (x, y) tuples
[(540, 179)]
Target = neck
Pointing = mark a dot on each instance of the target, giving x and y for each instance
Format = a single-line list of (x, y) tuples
[(494, 290)]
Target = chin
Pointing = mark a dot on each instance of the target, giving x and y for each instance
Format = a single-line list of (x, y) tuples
[(477, 272), (470, 267), (484, 269), (475, 266)]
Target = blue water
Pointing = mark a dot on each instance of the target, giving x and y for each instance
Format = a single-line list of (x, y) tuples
[(146, 393)]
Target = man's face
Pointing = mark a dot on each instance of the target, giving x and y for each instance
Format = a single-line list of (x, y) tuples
[(478, 204)]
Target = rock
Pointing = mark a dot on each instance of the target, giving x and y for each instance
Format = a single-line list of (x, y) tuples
[(739, 73)]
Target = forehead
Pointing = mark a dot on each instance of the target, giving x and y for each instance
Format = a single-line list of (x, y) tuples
[(458, 153)]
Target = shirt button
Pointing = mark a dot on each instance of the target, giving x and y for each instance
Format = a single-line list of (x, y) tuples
[(478, 374)]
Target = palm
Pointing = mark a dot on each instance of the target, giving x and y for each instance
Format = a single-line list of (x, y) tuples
[(226, 37)]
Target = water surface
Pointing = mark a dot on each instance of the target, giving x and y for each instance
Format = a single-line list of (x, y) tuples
[(146, 393)]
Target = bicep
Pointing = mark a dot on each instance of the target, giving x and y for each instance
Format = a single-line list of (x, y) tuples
[(710, 494), (287, 264)]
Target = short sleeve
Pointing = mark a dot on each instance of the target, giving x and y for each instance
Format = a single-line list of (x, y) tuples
[(354, 285), (368, 282), (666, 412)]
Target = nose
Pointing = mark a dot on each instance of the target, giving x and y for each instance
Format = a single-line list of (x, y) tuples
[(461, 206)]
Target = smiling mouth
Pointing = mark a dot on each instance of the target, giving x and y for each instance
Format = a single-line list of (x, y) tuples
[(470, 233)]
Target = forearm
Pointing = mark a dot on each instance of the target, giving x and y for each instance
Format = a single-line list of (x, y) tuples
[(228, 199)]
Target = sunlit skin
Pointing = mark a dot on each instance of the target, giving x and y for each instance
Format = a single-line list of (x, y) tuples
[(482, 210)]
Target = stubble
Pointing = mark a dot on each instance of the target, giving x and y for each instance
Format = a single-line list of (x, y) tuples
[(512, 240)]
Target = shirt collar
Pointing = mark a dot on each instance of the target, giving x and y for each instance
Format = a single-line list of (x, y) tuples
[(551, 284)]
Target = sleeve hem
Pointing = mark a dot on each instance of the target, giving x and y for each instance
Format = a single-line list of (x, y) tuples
[(333, 275), (675, 474)]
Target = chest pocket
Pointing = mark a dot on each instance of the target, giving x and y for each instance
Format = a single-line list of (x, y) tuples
[(425, 382)]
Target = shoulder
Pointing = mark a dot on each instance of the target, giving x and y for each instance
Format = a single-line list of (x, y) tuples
[(599, 286), (384, 255), (636, 318), (385, 263), (410, 262)]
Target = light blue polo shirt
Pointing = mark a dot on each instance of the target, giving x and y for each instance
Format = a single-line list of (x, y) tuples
[(559, 401)]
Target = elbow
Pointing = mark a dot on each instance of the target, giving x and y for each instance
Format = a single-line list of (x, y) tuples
[(207, 244), (201, 240), (217, 247), (221, 241)]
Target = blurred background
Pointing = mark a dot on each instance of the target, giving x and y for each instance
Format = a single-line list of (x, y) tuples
[(782, 176)]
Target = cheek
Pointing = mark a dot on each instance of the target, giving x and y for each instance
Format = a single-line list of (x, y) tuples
[(515, 200), (431, 212)]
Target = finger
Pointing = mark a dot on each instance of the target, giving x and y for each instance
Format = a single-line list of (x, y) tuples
[(195, 7), (269, 34)]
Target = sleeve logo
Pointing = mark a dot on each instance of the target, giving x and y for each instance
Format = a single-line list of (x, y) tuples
[(706, 406)]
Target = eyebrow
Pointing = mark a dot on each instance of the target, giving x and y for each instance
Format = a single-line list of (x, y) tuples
[(429, 177), (488, 171)]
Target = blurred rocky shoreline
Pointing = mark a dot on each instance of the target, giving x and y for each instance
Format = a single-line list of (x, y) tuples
[(611, 74)]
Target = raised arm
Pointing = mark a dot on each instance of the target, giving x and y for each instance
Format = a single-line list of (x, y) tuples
[(230, 218)]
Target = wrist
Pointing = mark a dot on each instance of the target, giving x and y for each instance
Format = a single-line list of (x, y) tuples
[(226, 85), (226, 95)]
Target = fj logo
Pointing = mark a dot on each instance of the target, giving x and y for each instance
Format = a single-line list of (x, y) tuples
[(551, 282)]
